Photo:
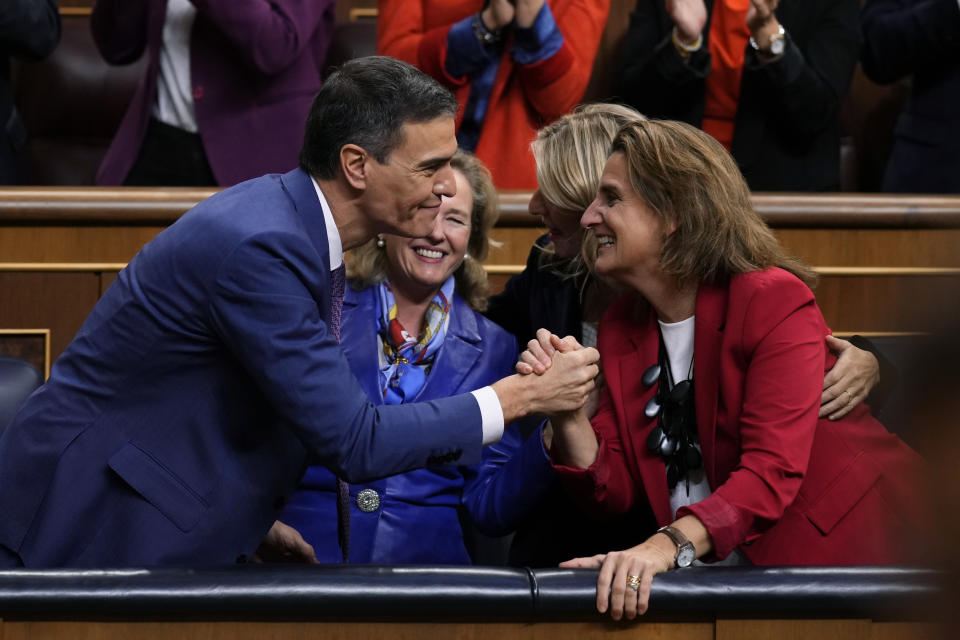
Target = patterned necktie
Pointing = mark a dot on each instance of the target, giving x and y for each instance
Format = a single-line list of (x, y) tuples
[(337, 284)]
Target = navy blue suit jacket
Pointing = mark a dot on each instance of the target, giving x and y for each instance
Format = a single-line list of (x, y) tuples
[(179, 419), (417, 518)]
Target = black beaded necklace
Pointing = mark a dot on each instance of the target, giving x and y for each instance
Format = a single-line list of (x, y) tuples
[(675, 436)]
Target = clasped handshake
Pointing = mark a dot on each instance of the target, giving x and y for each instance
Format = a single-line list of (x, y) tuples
[(572, 365)]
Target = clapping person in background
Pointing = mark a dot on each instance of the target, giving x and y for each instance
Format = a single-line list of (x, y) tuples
[(226, 91), (28, 29), (764, 77), (919, 38), (514, 65)]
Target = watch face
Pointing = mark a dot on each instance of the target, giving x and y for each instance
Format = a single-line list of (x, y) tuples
[(777, 46), (686, 555)]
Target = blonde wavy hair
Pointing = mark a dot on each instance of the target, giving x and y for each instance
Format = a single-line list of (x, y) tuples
[(691, 182), (570, 154), (367, 264)]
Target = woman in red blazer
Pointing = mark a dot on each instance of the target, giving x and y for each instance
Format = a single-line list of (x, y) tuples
[(714, 364)]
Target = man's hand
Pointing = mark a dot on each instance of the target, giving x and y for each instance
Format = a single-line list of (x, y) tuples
[(539, 356), (689, 17), (850, 380), (564, 386), (283, 543)]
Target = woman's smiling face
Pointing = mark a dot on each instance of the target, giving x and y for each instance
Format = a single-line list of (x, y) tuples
[(630, 235), (418, 265)]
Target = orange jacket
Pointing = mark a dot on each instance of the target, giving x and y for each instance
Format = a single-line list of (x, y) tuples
[(524, 97)]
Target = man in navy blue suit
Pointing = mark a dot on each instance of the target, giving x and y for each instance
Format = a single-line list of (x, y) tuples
[(183, 413)]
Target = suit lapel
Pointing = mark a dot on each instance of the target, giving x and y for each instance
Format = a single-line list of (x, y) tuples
[(708, 333), (459, 353), (360, 341), (299, 188), (643, 351)]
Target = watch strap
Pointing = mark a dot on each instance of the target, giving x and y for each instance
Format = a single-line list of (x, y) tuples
[(679, 540), (486, 37), (674, 534)]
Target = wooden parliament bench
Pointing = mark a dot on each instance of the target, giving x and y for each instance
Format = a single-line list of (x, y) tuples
[(882, 259)]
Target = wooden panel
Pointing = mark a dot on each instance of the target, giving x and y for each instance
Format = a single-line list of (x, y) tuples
[(723, 630), (106, 279), (14, 630), (515, 247), (73, 244), (793, 629), (874, 247), (55, 301), (906, 631), (888, 303)]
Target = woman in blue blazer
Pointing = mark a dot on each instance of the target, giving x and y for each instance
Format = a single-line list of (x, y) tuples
[(411, 331)]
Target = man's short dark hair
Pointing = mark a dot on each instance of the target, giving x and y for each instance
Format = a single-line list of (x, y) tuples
[(366, 102)]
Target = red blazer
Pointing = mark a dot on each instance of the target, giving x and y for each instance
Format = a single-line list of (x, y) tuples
[(524, 97), (788, 488)]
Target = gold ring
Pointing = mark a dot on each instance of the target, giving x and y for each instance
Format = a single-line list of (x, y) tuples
[(633, 582)]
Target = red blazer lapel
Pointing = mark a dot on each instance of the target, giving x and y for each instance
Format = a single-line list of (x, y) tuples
[(711, 313), (643, 344)]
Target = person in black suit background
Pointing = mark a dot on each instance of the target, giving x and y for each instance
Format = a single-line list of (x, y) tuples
[(764, 77), (28, 29), (919, 38)]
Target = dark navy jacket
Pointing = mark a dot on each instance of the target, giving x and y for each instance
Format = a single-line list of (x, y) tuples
[(180, 418), (921, 39)]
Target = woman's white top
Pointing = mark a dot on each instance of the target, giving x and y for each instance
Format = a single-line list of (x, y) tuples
[(174, 105)]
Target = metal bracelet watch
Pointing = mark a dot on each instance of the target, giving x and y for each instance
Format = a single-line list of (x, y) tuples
[(686, 553), (486, 37), (777, 44)]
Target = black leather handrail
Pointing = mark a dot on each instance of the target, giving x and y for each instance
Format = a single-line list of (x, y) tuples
[(423, 593)]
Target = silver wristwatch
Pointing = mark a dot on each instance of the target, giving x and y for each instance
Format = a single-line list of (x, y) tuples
[(777, 44), (686, 553)]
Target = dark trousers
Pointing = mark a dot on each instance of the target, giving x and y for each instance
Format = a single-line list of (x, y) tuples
[(170, 157)]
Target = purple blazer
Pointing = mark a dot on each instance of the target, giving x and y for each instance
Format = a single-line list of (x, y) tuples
[(255, 67)]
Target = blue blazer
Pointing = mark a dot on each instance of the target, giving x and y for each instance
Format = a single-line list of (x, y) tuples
[(178, 421), (417, 517)]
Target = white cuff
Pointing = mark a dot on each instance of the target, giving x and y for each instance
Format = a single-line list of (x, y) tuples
[(491, 414)]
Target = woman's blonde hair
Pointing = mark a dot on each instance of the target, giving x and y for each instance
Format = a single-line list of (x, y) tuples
[(691, 181), (367, 264), (570, 154)]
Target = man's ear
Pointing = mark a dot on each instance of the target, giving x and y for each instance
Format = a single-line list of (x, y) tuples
[(353, 163)]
